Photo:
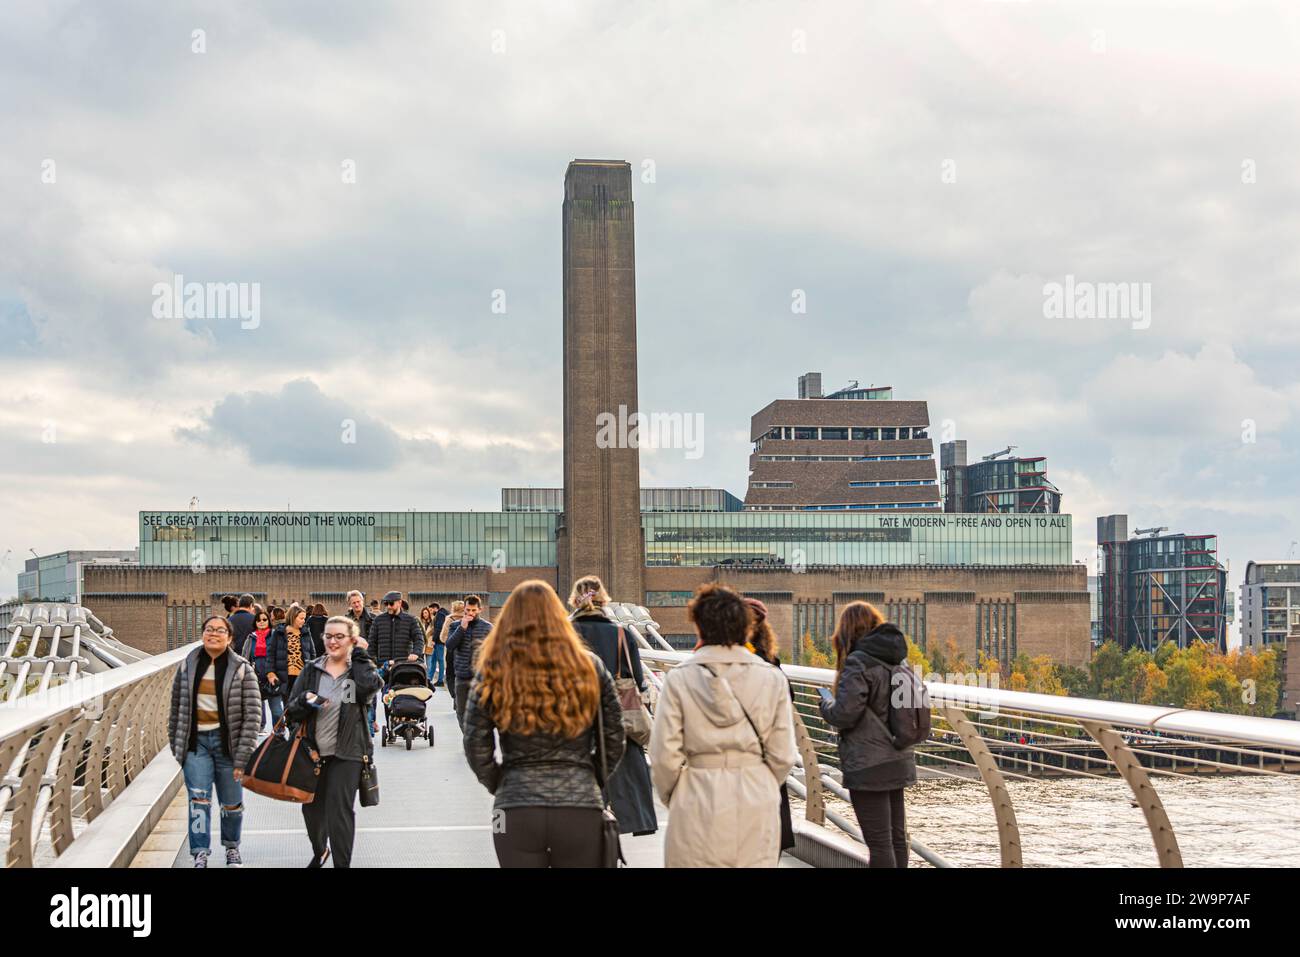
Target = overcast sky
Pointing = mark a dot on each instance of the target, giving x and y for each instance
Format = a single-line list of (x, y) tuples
[(919, 171)]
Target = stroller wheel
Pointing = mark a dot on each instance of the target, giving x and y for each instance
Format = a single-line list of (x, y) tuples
[(410, 736)]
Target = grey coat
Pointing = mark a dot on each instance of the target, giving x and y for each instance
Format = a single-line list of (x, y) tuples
[(241, 704), (860, 710)]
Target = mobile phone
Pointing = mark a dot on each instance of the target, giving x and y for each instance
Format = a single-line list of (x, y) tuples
[(315, 701), (825, 693)]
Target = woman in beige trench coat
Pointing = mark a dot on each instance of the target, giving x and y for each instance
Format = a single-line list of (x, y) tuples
[(722, 743)]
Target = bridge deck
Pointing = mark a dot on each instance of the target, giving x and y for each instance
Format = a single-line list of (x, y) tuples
[(432, 813)]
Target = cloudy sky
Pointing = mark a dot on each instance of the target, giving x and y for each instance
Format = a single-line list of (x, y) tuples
[(920, 171)]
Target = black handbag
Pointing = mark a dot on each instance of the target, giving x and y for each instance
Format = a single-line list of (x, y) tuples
[(285, 769), (369, 791), (611, 848)]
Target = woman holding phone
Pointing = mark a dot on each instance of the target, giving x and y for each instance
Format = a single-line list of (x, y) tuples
[(332, 694), (874, 771)]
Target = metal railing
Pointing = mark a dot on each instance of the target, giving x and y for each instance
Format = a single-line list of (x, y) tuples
[(68, 748), (991, 736)]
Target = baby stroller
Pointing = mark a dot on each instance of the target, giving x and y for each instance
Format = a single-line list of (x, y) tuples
[(406, 695)]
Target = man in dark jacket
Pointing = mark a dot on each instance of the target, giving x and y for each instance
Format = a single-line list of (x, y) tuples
[(241, 621), (463, 643), (395, 635), (439, 616)]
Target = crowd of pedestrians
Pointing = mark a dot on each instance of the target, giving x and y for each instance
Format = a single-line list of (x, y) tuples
[(552, 707)]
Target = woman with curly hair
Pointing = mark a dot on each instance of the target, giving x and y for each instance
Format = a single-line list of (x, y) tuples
[(538, 687)]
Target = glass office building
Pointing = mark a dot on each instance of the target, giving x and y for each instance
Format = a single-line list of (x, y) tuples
[(848, 538), (518, 539), (1159, 588), (58, 577), (527, 539)]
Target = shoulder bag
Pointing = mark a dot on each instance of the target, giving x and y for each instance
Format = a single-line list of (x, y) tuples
[(284, 769), (369, 791), (636, 719)]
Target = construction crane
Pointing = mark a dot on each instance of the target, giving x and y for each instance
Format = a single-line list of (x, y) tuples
[(1153, 532), (1006, 451)]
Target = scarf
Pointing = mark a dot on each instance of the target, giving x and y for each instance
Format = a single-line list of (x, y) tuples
[(259, 646)]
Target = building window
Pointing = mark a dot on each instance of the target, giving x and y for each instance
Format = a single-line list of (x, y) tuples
[(838, 435), (805, 432)]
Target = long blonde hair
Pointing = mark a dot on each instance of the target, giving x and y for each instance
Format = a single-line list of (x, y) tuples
[(535, 674)]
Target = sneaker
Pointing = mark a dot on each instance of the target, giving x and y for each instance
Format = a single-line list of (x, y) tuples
[(232, 857), (201, 859)]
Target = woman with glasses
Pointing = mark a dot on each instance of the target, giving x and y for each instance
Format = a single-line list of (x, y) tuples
[(332, 694), (216, 712), (257, 648)]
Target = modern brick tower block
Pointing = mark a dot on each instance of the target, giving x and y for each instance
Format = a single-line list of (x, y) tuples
[(601, 530)]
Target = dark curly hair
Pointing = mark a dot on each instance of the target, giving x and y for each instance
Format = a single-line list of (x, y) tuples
[(720, 615)]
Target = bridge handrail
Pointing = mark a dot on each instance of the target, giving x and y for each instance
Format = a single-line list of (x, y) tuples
[(68, 751), (966, 745), (1248, 729)]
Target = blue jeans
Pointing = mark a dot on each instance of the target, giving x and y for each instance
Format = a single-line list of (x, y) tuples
[(437, 662), (276, 703), (205, 767)]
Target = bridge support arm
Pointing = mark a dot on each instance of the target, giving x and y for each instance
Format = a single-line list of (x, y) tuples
[(1003, 810), (1126, 762)]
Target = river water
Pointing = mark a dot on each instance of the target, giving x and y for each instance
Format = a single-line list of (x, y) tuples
[(1228, 821)]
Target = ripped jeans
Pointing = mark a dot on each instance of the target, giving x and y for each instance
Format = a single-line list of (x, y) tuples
[(206, 767)]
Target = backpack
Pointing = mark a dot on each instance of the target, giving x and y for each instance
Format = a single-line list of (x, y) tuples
[(909, 706)]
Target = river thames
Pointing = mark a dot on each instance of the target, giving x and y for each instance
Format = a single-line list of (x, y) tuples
[(1227, 821)]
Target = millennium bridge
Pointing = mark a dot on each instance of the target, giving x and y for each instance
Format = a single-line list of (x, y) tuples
[(87, 780)]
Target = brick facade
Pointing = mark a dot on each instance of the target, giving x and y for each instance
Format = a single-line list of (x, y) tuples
[(1050, 604)]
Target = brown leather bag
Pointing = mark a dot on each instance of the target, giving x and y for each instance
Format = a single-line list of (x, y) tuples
[(636, 719), (284, 769)]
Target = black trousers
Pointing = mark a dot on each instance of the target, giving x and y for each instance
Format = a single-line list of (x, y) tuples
[(462, 700), (331, 816), (884, 829), (548, 837)]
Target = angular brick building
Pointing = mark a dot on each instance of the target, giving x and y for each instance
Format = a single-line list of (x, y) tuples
[(856, 449)]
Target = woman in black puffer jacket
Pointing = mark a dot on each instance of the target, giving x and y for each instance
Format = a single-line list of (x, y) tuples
[(875, 772)]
